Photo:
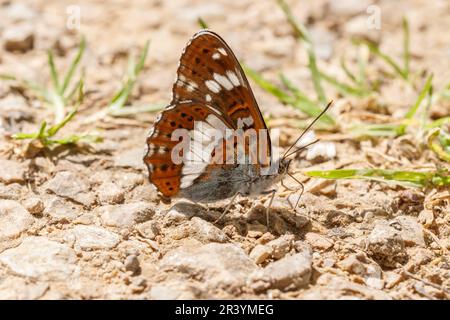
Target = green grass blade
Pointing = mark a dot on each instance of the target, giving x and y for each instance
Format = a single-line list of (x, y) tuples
[(299, 29), (437, 147), (53, 72), (37, 135), (316, 77), (426, 88), (8, 77), (374, 49), (413, 110), (299, 101), (438, 123), (142, 58), (73, 66), (418, 179), (24, 136), (376, 130), (54, 129), (344, 88), (268, 86), (202, 23), (347, 71), (305, 104), (406, 50), (302, 33), (76, 89), (121, 97), (41, 132), (71, 139)]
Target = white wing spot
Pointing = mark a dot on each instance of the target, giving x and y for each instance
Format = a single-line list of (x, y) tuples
[(222, 51), (241, 79), (216, 56), (213, 86), (233, 78), (224, 82), (202, 141), (191, 86), (208, 97)]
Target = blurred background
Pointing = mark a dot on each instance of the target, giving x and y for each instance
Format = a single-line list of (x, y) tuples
[(81, 83)]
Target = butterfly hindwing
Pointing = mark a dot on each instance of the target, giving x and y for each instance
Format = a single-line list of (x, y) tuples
[(195, 121)]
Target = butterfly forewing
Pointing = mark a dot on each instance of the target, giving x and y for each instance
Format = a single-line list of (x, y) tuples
[(210, 73), (212, 89)]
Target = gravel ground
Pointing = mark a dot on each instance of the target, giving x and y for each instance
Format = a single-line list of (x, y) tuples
[(83, 222)]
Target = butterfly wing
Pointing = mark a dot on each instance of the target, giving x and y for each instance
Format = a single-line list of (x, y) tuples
[(209, 72), (169, 168), (211, 88)]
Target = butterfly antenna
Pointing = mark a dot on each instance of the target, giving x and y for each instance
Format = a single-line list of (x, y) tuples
[(302, 148), (307, 128)]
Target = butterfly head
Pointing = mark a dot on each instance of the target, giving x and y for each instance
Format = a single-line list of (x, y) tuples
[(283, 166)]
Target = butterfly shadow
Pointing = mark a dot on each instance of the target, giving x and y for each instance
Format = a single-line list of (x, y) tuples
[(281, 220), (190, 209)]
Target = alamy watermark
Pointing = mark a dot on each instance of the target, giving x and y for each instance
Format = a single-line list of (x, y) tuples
[(373, 21), (73, 21), (212, 142)]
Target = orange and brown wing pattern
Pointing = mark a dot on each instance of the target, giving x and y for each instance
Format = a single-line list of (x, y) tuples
[(209, 72), (211, 87), (165, 174)]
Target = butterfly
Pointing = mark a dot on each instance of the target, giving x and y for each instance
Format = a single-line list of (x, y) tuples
[(212, 93)]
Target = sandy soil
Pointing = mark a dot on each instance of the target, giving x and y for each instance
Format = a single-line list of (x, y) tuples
[(83, 222)]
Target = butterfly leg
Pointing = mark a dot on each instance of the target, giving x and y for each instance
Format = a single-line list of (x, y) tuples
[(272, 192), (227, 208), (302, 187)]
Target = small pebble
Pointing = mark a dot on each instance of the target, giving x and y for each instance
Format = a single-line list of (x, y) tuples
[(132, 264), (34, 205)]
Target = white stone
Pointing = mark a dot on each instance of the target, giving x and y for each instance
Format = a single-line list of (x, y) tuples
[(14, 219), (72, 186), (126, 215), (291, 272), (11, 171), (39, 257), (110, 193), (218, 265), (281, 246), (206, 231), (260, 253), (61, 210), (92, 237), (411, 231)]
